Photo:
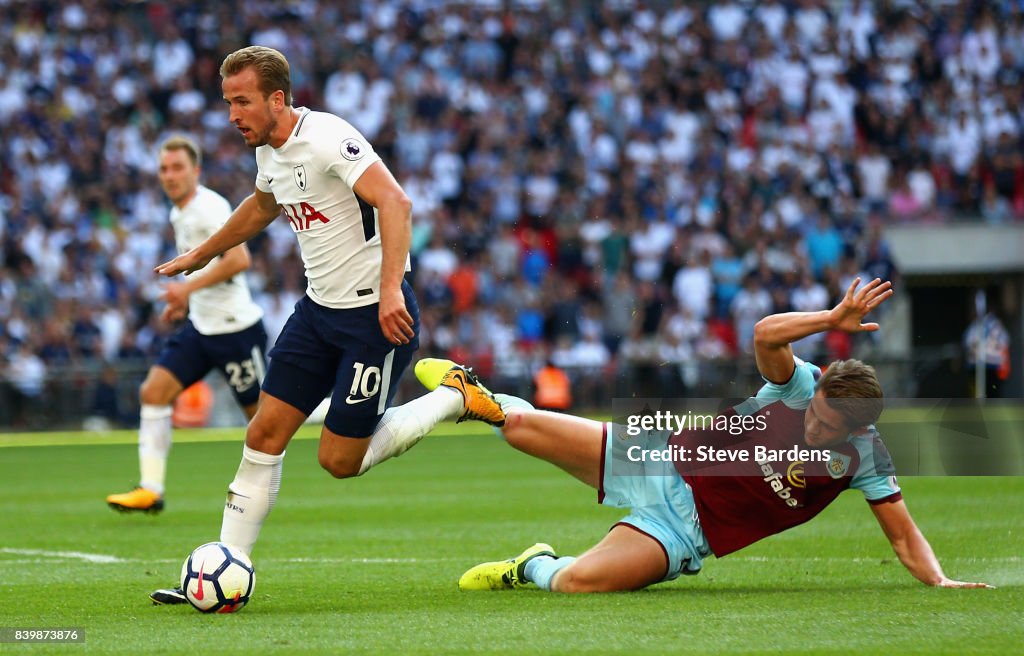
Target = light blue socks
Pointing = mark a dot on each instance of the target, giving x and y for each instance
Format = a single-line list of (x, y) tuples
[(542, 569)]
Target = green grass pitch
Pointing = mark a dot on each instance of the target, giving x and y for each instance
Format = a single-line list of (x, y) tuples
[(369, 565)]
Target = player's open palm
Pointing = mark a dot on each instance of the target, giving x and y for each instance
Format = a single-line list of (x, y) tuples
[(950, 583), (857, 303)]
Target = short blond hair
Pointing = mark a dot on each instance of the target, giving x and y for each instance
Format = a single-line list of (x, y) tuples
[(270, 65), (181, 142), (851, 387)]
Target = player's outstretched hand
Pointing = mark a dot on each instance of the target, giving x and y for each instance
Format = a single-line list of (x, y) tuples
[(184, 263), (848, 314), (395, 321), (950, 583)]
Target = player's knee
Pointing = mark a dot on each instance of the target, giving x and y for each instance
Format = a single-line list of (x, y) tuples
[(260, 437), (338, 467), (513, 428), (513, 419), (151, 393)]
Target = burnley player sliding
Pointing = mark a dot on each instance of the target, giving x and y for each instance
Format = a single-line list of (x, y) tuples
[(679, 519)]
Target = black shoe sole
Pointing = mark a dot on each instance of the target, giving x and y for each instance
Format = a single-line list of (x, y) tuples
[(162, 598), (152, 510)]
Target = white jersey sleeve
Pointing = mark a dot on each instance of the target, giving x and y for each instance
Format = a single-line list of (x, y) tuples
[(349, 159), (312, 177), (226, 307)]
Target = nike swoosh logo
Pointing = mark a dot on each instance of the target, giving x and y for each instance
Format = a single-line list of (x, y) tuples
[(349, 400), (270, 180), (460, 378), (198, 594)]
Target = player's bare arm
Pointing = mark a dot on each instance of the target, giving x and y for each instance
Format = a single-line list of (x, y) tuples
[(774, 334), (394, 210), (234, 261), (912, 548), (253, 215)]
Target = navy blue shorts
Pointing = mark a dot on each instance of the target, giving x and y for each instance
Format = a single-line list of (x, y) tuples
[(190, 355), (322, 349)]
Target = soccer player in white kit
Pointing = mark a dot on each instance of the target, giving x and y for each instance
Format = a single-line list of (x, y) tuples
[(355, 330), (223, 329)]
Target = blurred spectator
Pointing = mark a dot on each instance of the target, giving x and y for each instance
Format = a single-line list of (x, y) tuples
[(824, 246), (994, 208), (638, 152), (464, 284), (727, 272), (105, 410), (693, 285), (986, 340), (553, 390), (751, 304), (26, 375), (810, 296), (904, 204), (873, 170), (437, 259)]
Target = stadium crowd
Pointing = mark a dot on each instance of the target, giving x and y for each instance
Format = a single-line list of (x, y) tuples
[(603, 185)]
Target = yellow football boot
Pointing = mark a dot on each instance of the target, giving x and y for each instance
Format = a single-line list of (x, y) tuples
[(478, 402), (503, 574), (138, 500)]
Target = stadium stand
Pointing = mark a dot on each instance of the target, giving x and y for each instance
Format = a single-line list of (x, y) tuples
[(622, 187)]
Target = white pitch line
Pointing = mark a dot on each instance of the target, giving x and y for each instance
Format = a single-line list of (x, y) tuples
[(45, 556), (840, 559), (362, 561), (67, 555)]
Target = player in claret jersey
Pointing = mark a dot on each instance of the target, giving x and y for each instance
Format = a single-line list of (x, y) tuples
[(355, 330), (681, 516)]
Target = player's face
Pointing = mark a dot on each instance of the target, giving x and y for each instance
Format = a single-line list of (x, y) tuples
[(178, 175), (249, 111), (824, 426)]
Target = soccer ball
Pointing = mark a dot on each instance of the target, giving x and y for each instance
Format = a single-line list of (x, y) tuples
[(217, 578)]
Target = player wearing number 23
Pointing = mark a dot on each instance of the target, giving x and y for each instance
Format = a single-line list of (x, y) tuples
[(222, 329)]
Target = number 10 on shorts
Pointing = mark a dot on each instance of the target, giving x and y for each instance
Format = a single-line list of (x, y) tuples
[(365, 383)]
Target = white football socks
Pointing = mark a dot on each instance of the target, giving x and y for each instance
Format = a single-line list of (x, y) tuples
[(253, 492), (250, 497), (402, 427), (154, 445)]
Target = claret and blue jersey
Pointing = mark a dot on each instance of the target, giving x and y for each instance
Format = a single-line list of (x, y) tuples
[(726, 506)]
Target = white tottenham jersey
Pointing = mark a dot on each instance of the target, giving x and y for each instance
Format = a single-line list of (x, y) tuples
[(226, 307), (311, 177)]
